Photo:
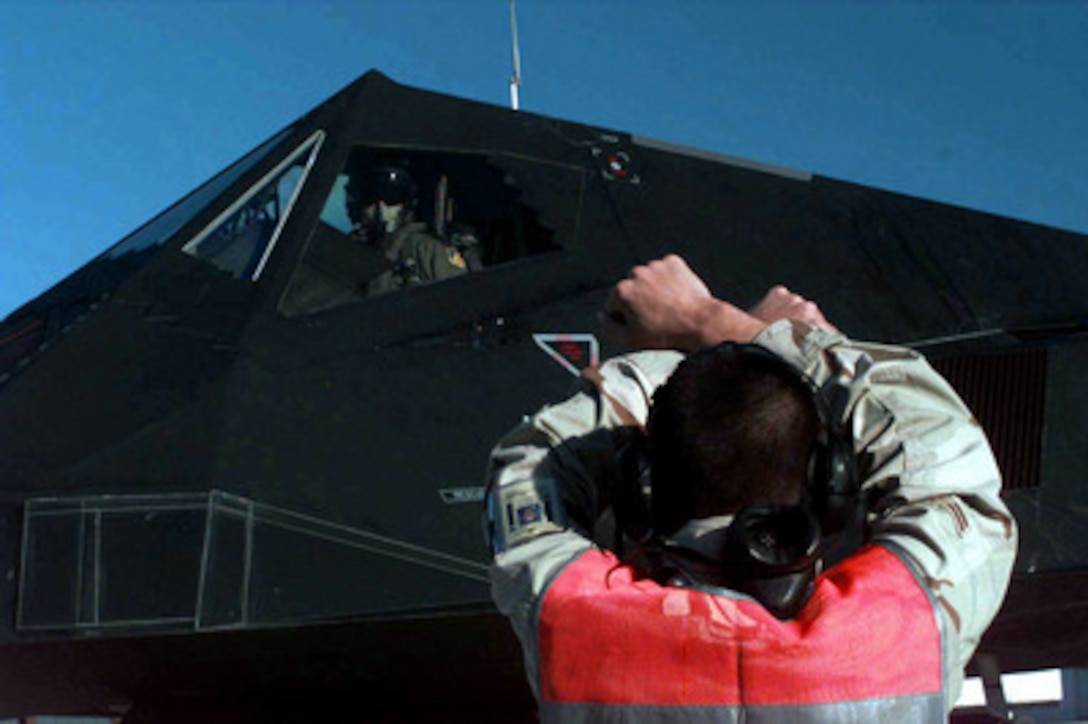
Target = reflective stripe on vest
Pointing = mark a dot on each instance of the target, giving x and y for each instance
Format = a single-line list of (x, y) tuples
[(867, 644)]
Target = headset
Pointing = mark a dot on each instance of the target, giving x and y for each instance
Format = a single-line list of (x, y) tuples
[(770, 552)]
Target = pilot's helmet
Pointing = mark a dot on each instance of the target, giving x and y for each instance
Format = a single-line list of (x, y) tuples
[(391, 184)]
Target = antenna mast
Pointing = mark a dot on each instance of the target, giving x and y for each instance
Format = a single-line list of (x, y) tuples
[(515, 80)]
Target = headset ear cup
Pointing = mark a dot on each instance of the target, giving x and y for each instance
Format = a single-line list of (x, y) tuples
[(834, 483), (631, 495), (772, 554), (769, 540)]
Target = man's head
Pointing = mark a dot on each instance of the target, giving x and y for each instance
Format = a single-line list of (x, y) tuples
[(380, 199), (732, 427)]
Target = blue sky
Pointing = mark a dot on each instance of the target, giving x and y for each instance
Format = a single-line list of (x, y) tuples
[(110, 111)]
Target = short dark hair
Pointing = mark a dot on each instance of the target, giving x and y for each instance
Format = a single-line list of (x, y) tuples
[(731, 427)]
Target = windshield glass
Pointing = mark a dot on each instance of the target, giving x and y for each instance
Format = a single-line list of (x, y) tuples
[(241, 238), (166, 224)]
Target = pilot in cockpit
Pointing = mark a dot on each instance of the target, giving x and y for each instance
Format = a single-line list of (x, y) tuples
[(381, 203)]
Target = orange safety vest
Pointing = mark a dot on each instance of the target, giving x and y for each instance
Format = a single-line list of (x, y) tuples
[(866, 647)]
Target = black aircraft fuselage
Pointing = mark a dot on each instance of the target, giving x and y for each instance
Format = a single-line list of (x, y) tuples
[(235, 479)]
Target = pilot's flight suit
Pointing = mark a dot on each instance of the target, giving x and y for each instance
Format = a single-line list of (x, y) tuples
[(888, 631), (418, 258)]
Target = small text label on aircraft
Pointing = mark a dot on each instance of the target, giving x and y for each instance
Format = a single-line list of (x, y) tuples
[(574, 352), (458, 496)]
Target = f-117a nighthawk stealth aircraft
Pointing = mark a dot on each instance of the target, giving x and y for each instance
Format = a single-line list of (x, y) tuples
[(237, 478)]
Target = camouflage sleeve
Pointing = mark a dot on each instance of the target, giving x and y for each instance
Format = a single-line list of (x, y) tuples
[(548, 471), (544, 479), (930, 467)]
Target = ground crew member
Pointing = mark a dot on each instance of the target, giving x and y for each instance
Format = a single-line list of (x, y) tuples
[(883, 635)]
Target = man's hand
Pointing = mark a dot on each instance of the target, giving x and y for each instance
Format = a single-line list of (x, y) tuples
[(780, 303), (665, 305)]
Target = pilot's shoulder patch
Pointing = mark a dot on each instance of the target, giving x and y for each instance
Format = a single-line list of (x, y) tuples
[(454, 258)]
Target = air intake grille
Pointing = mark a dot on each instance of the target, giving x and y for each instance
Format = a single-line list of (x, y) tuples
[(1007, 394)]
